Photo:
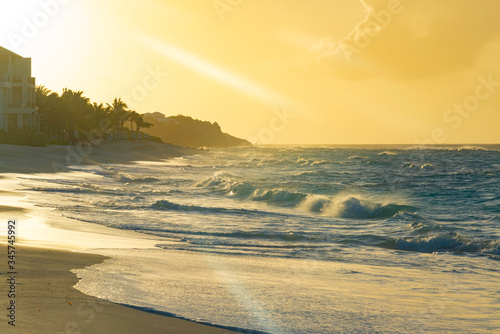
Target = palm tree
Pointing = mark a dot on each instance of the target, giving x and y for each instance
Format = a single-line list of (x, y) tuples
[(42, 94), (77, 107), (119, 114), (56, 117), (132, 116), (140, 123), (99, 113), (65, 114)]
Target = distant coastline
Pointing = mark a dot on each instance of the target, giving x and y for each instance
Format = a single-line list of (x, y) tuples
[(186, 131), (72, 118)]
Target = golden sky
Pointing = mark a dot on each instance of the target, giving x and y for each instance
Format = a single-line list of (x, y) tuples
[(278, 71)]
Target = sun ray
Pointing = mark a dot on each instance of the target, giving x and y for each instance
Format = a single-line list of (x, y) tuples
[(214, 72)]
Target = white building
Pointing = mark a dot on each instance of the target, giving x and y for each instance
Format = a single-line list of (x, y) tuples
[(17, 93)]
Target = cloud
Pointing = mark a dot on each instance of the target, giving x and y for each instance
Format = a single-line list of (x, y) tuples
[(410, 39)]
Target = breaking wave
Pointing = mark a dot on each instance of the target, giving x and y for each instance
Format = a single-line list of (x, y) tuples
[(339, 206), (352, 207), (445, 242)]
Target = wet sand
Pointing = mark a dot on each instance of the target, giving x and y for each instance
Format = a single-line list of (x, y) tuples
[(46, 301), (45, 298)]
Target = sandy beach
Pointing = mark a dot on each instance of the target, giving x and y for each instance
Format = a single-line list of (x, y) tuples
[(48, 303), (22, 159), (136, 246), (46, 300)]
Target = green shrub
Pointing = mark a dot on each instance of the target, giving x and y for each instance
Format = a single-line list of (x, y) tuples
[(23, 137)]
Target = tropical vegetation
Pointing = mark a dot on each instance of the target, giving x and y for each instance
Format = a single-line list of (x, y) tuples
[(71, 117)]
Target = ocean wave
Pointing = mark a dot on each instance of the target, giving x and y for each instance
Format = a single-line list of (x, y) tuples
[(239, 189), (230, 186), (352, 207), (130, 179), (271, 162), (473, 148), (357, 157), (445, 242), (493, 148), (425, 166), (302, 161), (315, 203), (219, 178), (278, 196), (311, 163), (277, 240), (341, 206), (355, 208), (170, 206), (76, 190), (318, 163), (227, 184), (307, 174), (253, 162), (387, 153), (165, 205), (104, 171)]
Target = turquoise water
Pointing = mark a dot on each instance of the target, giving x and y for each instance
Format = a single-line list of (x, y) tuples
[(391, 209)]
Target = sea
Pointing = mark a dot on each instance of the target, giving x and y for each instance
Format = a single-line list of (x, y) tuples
[(298, 239)]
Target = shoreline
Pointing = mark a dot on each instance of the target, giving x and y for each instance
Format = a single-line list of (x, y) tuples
[(46, 298), (54, 159), (389, 289), (47, 302)]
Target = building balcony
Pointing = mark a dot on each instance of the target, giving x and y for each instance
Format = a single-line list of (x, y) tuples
[(20, 110), (22, 106), (5, 81), (17, 80)]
